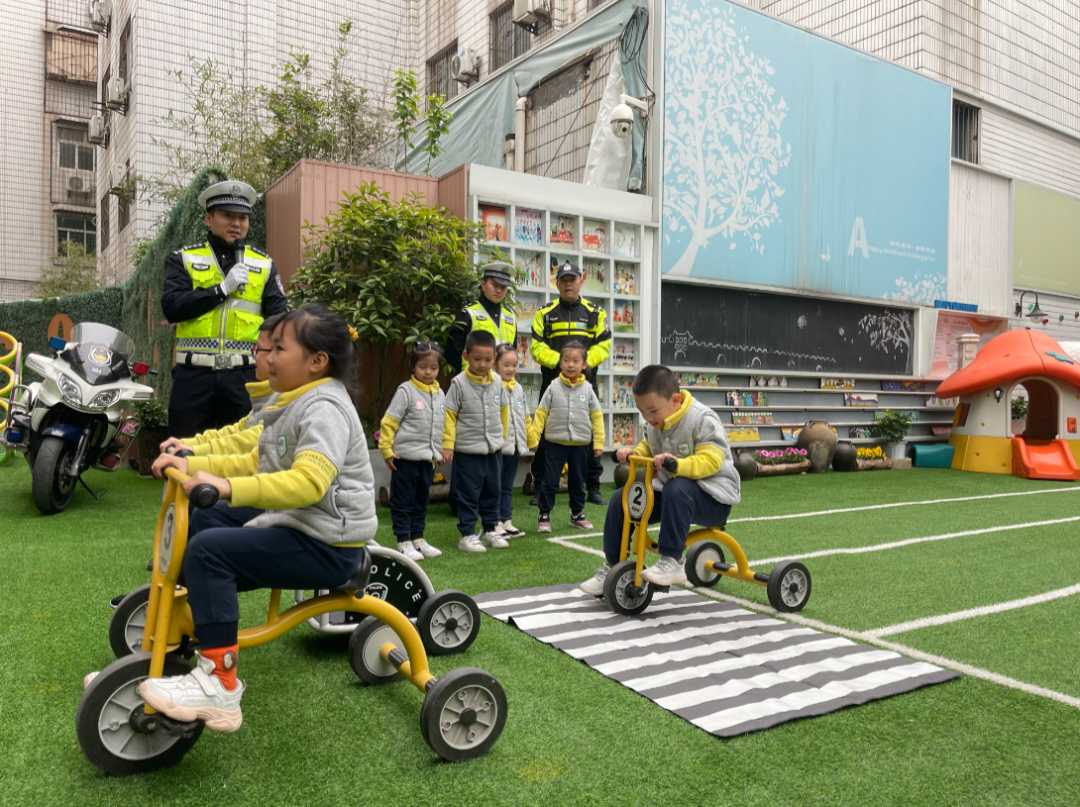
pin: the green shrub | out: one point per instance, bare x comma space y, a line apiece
28, 320
1019, 408
893, 425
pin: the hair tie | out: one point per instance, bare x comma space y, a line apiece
353, 334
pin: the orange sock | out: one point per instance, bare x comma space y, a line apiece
224, 659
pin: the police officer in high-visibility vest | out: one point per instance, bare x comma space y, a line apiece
217, 303
568, 319
486, 314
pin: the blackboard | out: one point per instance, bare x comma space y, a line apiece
711, 326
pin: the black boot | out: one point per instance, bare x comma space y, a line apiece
596, 497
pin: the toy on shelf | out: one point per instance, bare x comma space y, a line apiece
1049, 445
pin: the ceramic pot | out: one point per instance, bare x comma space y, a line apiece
150, 437
745, 465
785, 469
622, 476
845, 459
1018, 426
819, 440
896, 451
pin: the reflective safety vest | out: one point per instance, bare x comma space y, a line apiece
482, 321
232, 327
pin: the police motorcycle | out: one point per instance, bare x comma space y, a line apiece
74, 420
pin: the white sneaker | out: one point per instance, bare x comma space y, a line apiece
594, 586
426, 549
406, 548
471, 543
666, 572
510, 531
494, 540
89, 678
199, 695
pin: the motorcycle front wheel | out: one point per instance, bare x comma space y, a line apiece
53, 487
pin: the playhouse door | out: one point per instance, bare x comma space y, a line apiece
1042, 418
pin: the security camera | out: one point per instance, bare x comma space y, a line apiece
622, 116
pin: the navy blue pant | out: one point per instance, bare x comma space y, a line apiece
410, 490
224, 558
681, 504
509, 472
577, 458
479, 485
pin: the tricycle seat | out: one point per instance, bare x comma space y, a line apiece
360, 578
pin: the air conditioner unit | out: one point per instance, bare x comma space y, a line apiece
116, 93
100, 14
529, 12
75, 183
96, 133
464, 66
117, 177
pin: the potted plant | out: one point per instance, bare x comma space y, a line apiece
782, 461
1019, 415
153, 415
398, 272
872, 459
894, 426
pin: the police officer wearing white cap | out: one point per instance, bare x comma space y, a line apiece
218, 293
486, 314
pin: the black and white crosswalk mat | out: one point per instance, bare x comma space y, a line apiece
726, 670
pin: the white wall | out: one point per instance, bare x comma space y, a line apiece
979, 227
1055, 306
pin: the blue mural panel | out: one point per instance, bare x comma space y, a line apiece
796, 162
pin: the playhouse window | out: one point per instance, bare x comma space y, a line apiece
960, 419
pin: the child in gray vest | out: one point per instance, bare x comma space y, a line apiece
517, 438
410, 439
477, 422
570, 418
702, 489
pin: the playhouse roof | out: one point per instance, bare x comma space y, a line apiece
1012, 355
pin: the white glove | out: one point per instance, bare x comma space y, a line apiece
236, 278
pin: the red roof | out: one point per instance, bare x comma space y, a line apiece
1016, 354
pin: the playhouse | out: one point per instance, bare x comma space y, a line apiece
1049, 447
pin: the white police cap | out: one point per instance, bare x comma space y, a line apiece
233, 196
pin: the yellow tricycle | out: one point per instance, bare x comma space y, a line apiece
462, 715
625, 592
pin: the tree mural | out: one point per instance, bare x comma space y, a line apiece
722, 144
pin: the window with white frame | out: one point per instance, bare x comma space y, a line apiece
74, 151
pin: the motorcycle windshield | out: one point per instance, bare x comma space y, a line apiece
98, 353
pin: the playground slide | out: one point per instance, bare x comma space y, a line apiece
1044, 459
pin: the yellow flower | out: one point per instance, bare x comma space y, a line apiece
353, 334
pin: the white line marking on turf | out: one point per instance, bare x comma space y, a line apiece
859, 550
956, 616
869, 638
655, 527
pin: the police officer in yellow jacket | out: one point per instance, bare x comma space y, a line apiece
486, 314
568, 319
217, 303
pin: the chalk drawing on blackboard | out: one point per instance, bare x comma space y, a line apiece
681, 341
887, 329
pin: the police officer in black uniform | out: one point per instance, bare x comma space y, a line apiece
217, 303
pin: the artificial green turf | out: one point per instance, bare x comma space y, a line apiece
1036, 644
313, 735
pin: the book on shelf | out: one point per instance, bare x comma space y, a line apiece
941, 429
528, 227
942, 403
530, 385
698, 379
562, 229
768, 381
864, 399
594, 236
525, 359
743, 434
624, 317
530, 268
747, 398
903, 386
838, 383
625, 279
623, 430
752, 418
863, 432
625, 241
623, 355
494, 220
595, 273
622, 394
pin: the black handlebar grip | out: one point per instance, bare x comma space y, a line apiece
184, 453
671, 465
204, 496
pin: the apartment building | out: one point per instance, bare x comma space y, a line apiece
47, 166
